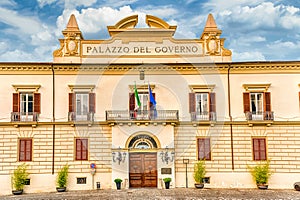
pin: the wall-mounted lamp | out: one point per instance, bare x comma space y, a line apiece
142, 75
118, 156
167, 156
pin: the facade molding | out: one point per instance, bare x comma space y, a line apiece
197, 68
262, 87
26, 88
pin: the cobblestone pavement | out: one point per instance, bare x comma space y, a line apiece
163, 194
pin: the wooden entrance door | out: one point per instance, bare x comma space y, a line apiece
143, 170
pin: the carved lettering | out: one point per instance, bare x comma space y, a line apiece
101, 49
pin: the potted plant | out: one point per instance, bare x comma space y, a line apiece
19, 178
118, 182
62, 179
261, 174
167, 182
199, 174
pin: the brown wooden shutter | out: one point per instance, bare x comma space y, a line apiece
16, 102
37, 102
78, 149
71, 102
267, 99
204, 149
246, 100
212, 102
81, 149
22, 150
207, 149
192, 103
28, 150
262, 149
84, 150
255, 149
259, 149
92, 102
25, 150
131, 101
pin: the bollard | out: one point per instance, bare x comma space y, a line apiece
98, 185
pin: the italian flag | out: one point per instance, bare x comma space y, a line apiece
136, 94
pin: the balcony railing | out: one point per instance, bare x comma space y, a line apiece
24, 116
203, 116
73, 116
142, 115
260, 116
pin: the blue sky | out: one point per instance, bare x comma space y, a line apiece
256, 30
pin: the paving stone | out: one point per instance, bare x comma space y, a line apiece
163, 194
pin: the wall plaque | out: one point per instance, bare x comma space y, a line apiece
166, 170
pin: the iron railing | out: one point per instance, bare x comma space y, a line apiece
204, 116
73, 116
24, 116
257, 116
125, 115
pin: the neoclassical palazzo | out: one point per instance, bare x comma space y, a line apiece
142, 106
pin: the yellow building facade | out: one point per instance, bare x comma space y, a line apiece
143, 106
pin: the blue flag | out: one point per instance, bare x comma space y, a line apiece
151, 97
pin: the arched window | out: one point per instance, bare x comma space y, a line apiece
142, 141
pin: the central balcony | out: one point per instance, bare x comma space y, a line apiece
142, 115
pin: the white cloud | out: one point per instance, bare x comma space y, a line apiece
93, 20
3, 46
68, 4
42, 3
248, 56
26, 24
16, 55
247, 40
7, 3
286, 46
117, 3
255, 14
290, 22
42, 37
159, 11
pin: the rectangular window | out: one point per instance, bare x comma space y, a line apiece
257, 106
25, 149
204, 149
202, 106
26, 106
26, 103
144, 101
81, 149
259, 149
82, 105
81, 180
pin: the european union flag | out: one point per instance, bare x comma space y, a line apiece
151, 97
